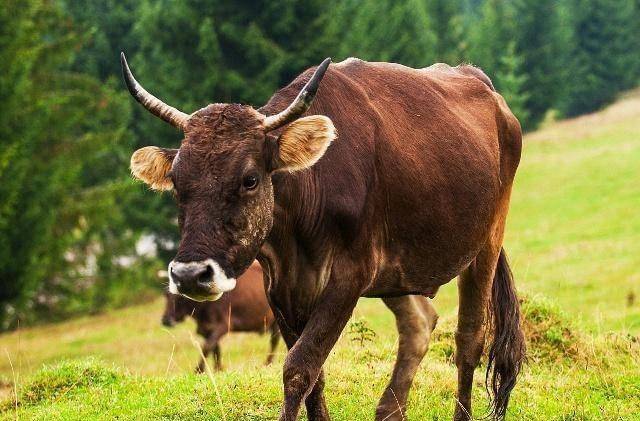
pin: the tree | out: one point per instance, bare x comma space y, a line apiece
490, 36
601, 63
203, 51
448, 25
61, 131
510, 81
634, 51
492, 47
541, 40
106, 28
383, 31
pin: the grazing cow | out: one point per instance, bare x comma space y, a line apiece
396, 181
245, 309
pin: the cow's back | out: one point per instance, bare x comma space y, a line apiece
424, 111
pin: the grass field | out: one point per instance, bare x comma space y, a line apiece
574, 241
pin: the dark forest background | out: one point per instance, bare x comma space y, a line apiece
77, 235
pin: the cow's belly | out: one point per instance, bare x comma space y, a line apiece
419, 271
435, 230
425, 266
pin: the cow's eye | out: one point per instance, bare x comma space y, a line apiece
250, 182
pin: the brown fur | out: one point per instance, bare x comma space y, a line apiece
245, 309
413, 193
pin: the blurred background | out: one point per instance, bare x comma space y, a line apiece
78, 236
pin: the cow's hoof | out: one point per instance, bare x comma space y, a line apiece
393, 413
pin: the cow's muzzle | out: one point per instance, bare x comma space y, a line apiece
200, 281
168, 321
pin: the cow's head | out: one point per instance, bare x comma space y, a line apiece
221, 176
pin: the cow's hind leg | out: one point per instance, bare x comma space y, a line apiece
273, 342
474, 287
487, 285
415, 320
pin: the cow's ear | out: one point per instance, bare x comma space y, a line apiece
304, 142
152, 165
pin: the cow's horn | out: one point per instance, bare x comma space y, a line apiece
154, 105
302, 101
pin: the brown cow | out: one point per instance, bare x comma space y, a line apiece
412, 193
245, 309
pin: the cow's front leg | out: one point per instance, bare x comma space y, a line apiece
315, 402
303, 365
209, 346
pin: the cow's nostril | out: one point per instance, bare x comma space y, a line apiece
206, 275
175, 277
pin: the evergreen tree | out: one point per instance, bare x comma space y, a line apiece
510, 81
202, 51
601, 65
634, 50
57, 128
448, 26
491, 35
541, 41
106, 26
492, 47
383, 31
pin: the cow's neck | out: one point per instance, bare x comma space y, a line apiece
297, 253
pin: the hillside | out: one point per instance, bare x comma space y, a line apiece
573, 237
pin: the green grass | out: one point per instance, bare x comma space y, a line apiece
573, 237
574, 227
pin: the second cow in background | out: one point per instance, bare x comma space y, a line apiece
245, 309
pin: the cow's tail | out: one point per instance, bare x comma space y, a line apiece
507, 350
